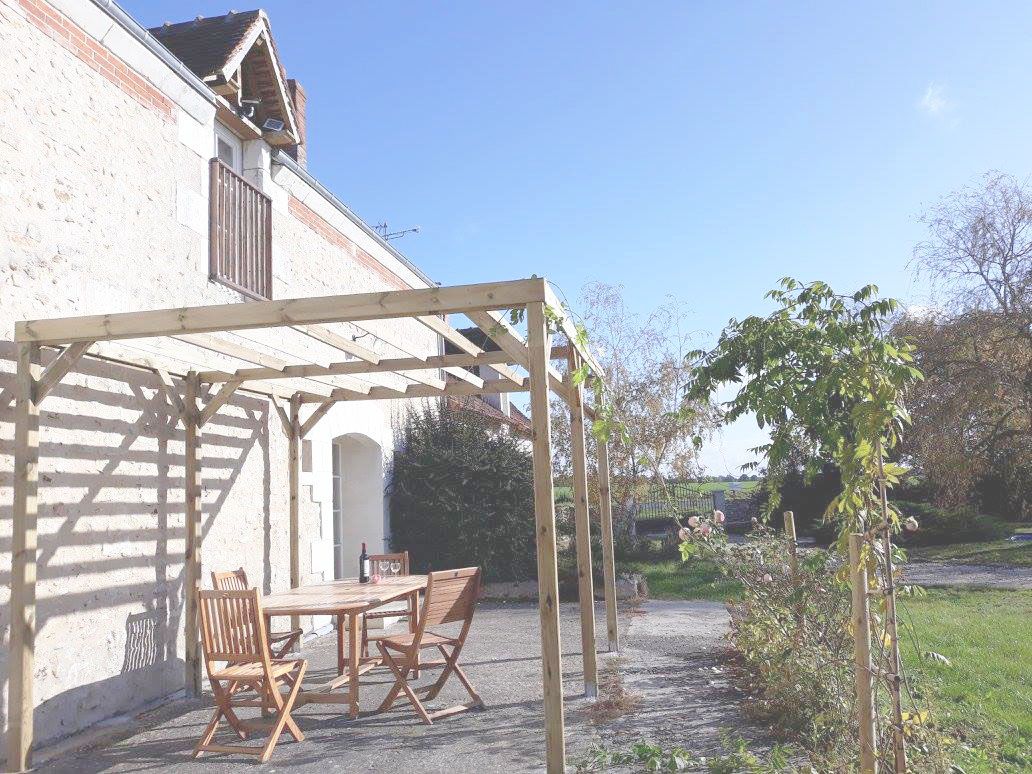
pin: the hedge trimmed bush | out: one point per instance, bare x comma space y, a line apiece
462, 494
942, 526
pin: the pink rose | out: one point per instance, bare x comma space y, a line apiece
683, 534
705, 529
718, 517
693, 521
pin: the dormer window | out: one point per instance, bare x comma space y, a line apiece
236, 57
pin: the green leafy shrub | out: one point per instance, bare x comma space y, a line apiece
792, 644
941, 526
462, 494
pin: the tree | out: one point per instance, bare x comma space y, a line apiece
646, 375
973, 414
825, 376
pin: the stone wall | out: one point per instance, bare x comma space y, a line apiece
103, 207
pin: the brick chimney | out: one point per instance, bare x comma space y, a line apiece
300, 99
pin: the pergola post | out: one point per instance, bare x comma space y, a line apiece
294, 487
194, 509
585, 582
20, 703
608, 560
544, 516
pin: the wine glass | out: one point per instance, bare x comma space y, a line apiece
395, 567
384, 566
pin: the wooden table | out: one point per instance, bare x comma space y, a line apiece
344, 599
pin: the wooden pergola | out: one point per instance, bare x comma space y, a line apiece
302, 394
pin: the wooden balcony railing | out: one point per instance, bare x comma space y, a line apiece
240, 233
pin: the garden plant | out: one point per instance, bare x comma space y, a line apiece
826, 377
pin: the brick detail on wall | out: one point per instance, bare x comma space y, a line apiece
70, 36
323, 228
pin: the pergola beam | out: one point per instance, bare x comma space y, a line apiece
544, 517
116, 352
335, 340
359, 367
21, 664
270, 314
423, 391
498, 329
59, 367
582, 525
608, 558
217, 401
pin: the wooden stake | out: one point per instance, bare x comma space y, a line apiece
194, 515
544, 515
899, 747
21, 667
862, 657
585, 582
294, 487
793, 557
608, 558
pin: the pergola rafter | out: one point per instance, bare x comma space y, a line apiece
203, 390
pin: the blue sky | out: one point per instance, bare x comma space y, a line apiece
696, 149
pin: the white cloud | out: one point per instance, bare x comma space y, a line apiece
934, 101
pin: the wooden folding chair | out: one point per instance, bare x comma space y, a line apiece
393, 610
237, 657
236, 580
451, 596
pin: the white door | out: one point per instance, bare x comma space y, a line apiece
338, 513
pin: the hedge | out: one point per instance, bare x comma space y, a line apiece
462, 494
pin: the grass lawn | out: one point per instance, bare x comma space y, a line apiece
984, 697
1003, 552
674, 579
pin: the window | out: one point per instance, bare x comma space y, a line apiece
228, 148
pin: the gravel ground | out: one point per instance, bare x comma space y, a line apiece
974, 575
668, 661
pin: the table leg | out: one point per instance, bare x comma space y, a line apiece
340, 644
354, 657
413, 625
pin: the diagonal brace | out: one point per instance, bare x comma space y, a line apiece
218, 401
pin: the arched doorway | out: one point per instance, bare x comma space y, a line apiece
358, 509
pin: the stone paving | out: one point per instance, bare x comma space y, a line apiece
668, 662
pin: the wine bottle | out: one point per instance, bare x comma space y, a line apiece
363, 566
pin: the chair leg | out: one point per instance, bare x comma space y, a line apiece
287, 646
399, 678
283, 717
400, 685
223, 708
452, 665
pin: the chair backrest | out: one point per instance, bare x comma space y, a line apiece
233, 580
451, 596
232, 626
401, 557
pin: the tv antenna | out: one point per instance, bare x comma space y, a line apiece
384, 231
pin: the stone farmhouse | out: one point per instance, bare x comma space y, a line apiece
163, 168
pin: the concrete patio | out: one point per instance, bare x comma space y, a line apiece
668, 662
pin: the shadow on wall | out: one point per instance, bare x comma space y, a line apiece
111, 536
